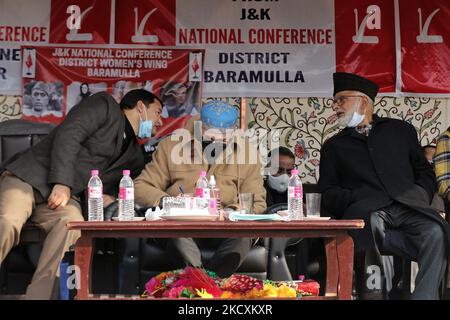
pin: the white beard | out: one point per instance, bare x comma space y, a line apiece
344, 120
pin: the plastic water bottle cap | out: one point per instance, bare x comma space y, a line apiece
202, 173
294, 172
126, 172
94, 172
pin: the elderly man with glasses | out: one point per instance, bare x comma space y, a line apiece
374, 169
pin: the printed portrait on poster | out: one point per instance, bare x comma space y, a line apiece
42, 99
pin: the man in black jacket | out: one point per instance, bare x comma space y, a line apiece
45, 182
375, 170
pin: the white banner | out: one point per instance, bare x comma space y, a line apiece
21, 22
261, 48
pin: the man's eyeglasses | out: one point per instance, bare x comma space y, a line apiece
340, 100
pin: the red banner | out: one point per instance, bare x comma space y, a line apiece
57, 78
286, 48
365, 40
425, 45
81, 21
145, 22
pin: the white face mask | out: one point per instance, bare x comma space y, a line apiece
344, 120
352, 120
279, 183
356, 119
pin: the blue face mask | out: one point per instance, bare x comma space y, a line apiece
145, 127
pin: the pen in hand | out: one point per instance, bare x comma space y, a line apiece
181, 189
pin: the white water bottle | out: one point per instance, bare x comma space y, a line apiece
126, 197
295, 197
214, 200
95, 197
201, 187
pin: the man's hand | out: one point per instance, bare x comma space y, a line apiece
59, 197
107, 200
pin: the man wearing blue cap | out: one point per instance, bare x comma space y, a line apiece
213, 151
374, 169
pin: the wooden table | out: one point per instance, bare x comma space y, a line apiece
338, 244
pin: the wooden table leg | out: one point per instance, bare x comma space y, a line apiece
83, 259
345, 265
331, 288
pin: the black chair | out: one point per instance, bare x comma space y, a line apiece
278, 267
401, 277
290, 258
17, 269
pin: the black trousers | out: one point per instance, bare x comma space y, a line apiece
227, 258
403, 231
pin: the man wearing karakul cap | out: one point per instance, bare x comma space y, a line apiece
165, 175
374, 169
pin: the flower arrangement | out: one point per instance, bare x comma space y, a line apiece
193, 282
184, 283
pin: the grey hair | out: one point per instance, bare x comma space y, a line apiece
372, 102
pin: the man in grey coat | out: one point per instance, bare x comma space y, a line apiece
45, 182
